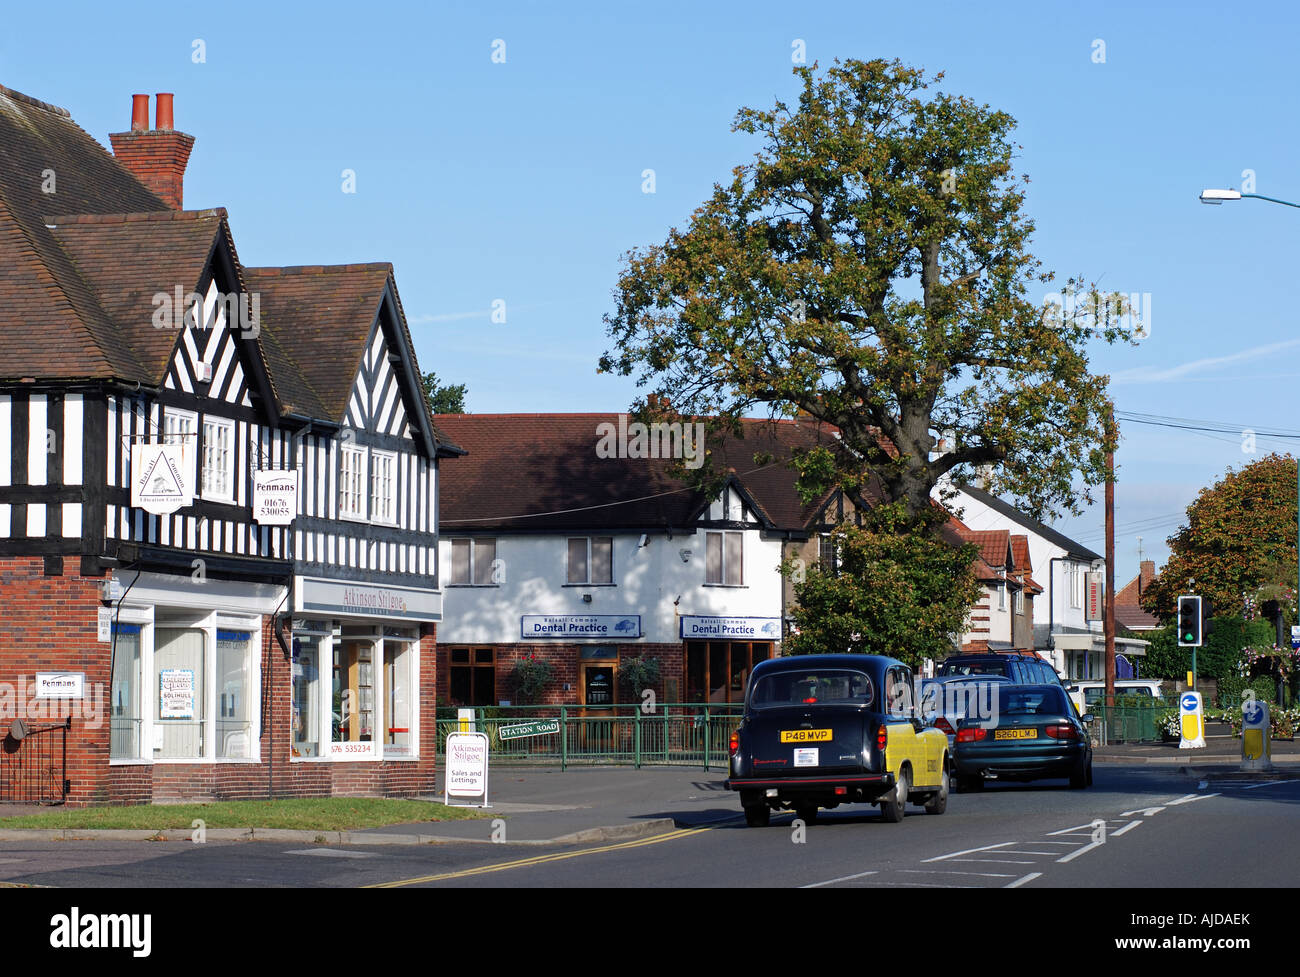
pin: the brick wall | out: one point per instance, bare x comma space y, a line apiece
49, 624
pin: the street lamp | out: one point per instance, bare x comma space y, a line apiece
1216, 198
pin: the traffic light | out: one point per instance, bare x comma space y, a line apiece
1189, 622
1207, 619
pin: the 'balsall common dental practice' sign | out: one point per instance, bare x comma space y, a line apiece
571, 626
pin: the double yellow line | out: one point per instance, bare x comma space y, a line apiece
540, 859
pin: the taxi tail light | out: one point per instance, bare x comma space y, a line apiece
971, 734
735, 741
1062, 732
841, 791
882, 737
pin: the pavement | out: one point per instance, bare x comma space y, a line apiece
546, 806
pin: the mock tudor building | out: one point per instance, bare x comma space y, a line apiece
218, 489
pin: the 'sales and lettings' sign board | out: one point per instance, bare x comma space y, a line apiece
1096, 606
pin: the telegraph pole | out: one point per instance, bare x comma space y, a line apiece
1109, 625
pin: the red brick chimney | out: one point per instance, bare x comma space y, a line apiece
157, 157
1146, 574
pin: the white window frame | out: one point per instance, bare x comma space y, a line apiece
359, 513
226, 492
1002, 595
187, 438
722, 561
209, 623
383, 508
1018, 602
1077, 580
588, 582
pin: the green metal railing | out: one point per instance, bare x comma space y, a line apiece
688, 734
1130, 720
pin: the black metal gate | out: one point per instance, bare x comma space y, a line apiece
34, 764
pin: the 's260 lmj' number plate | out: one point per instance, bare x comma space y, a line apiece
805, 735
1015, 734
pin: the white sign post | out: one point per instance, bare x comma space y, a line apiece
466, 770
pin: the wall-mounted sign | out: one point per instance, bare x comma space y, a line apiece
275, 497
176, 693
159, 478
60, 685
732, 628
570, 627
1095, 608
366, 600
104, 625
466, 768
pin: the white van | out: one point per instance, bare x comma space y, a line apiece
1086, 694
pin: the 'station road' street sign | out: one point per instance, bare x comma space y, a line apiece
538, 727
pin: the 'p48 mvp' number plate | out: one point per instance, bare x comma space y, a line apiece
805, 735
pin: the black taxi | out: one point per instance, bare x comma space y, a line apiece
819, 731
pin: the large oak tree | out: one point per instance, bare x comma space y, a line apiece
870, 268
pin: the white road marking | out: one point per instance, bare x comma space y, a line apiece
1188, 798
1268, 784
929, 885
1079, 851
1078, 828
1128, 827
949, 871
967, 851
1011, 852
1072, 844
1023, 879
1000, 861
1146, 812
333, 853
846, 878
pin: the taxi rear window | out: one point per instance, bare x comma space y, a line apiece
813, 687
973, 668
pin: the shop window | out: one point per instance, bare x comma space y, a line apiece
234, 665
352, 482
472, 562
125, 717
218, 460
306, 694
725, 559
472, 677
179, 671
399, 692
591, 560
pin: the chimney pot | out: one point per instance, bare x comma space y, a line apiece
139, 113
165, 121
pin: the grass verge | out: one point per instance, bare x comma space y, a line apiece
301, 813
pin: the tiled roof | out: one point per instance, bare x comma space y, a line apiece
65, 333
992, 545
1134, 618
321, 316
542, 472
1076, 550
126, 259
80, 266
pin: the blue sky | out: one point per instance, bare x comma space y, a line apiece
522, 180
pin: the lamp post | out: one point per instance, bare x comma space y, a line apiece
1216, 198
